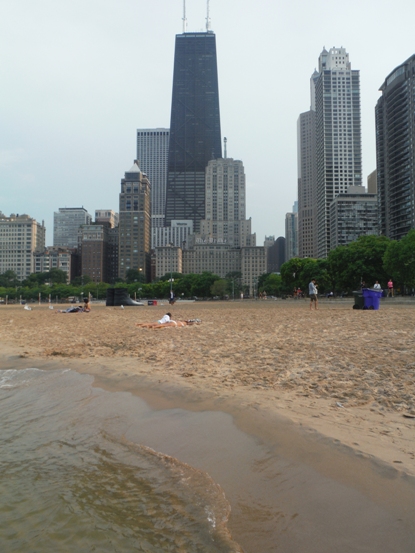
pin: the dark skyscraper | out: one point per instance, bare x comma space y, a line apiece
194, 126
395, 139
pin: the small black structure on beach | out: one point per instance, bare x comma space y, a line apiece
119, 296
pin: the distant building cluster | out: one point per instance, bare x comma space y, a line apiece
182, 204
334, 208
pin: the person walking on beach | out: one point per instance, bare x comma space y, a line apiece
390, 288
312, 292
377, 286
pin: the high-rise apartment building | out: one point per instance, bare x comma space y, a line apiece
152, 156
20, 237
352, 215
66, 223
338, 135
307, 184
194, 126
395, 154
134, 223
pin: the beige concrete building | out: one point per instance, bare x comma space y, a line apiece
135, 222
225, 205
56, 258
169, 259
20, 237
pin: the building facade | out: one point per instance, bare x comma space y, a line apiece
20, 238
291, 233
338, 135
307, 184
107, 216
152, 156
395, 153
194, 126
56, 258
352, 215
66, 223
94, 240
276, 255
225, 206
134, 223
177, 234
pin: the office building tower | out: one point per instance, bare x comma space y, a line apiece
395, 154
20, 237
372, 183
194, 126
276, 255
94, 249
152, 156
352, 214
106, 216
291, 234
338, 135
225, 205
66, 223
134, 223
307, 184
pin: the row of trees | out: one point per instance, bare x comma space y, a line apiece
368, 259
47, 285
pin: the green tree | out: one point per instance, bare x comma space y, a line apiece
399, 260
134, 275
219, 288
271, 284
359, 261
56, 276
81, 280
9, 279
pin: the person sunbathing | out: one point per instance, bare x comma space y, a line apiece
86, 308
167, 321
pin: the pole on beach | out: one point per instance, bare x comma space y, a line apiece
39, 297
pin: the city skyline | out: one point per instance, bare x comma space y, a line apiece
82, 78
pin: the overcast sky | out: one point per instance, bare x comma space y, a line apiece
78, 77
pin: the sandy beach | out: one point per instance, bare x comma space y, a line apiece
345, 377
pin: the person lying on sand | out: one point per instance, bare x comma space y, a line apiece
167, 321
86, 308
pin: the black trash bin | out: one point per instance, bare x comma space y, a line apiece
359, 301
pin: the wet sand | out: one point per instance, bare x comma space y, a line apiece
326, 395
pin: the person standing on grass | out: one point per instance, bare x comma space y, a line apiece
312, 292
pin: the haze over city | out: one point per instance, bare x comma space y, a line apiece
79, 79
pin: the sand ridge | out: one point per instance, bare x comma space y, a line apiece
347, 374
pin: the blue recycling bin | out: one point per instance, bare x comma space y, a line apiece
371, 298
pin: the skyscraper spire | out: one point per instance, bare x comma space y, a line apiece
207, 17
184, 17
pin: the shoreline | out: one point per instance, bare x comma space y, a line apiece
339, 457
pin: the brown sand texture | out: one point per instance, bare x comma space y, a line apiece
347, 374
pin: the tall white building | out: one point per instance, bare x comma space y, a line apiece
20, 237
66, 223
338, 134
307, 184
152, 155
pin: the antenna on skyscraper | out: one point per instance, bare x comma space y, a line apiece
207, 17
225, 140
184, 17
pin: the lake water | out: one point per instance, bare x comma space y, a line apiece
71, 481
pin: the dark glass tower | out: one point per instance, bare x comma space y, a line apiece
395, 151
194, 126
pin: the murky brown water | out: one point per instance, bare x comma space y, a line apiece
84, 469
